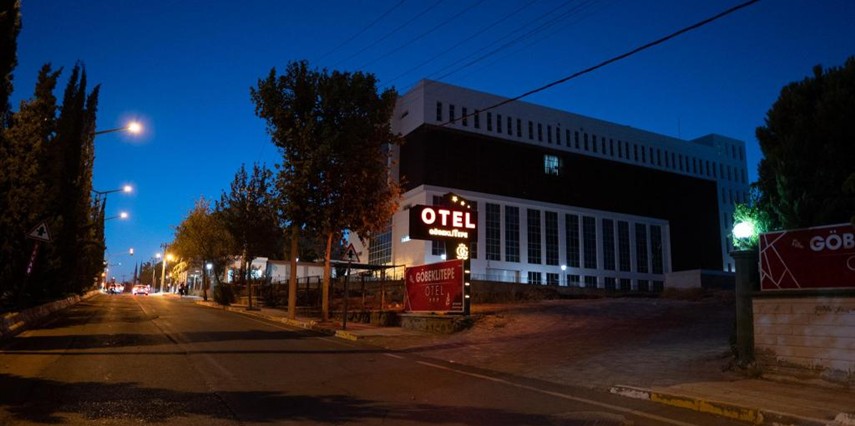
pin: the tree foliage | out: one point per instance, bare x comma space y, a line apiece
202, 237
249, 213
807, 177
333, 130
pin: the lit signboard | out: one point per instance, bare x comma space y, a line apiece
442, 223
812, 258
437, 287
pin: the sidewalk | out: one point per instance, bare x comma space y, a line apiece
751, 400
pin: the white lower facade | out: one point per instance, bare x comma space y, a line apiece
533, 242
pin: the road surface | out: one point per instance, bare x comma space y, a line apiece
126, 359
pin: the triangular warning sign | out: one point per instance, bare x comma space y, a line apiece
351, 254
40, 233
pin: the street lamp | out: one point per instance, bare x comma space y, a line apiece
170, 258
121, 215
133, 127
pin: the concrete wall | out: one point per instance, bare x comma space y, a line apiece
810, 336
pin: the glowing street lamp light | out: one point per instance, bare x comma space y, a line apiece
121, 215
133, 127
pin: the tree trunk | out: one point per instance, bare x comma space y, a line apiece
325, 289
292, 281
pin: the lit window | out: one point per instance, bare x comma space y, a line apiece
551, 165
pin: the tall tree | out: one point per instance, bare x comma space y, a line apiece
249, 213
355, 190
202, 237
23, 188
288, 103
10, 26
808, 142
334, 132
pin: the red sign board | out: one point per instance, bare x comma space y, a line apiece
812, 258
437, 287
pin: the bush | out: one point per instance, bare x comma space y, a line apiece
224, 294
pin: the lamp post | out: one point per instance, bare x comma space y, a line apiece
121, 215
154, 262
746, 258
163, 272
133, 127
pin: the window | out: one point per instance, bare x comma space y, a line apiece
464, 116
619, 149
548, 133
623, 246
533, 222
590, 282
574, 280
589, 241
451, 117
477, 119
534, 277
635, 152
625, 284
656, 248
510, 126
567, 137
550, 227
610, 283
519, 128
611, 147
489, 122
499, 123
512, 234
531, 130
586, 141
608, 239
380, 247
551, 165
571, 234
643, 156
594, 143
493, 236
640, 247
539, 132
558, 135
576, 137
551, 279
439, 111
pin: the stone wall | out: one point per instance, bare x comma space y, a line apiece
806, 336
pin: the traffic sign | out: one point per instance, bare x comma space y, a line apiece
351, 254
40, 233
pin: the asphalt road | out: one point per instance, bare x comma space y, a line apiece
126, 359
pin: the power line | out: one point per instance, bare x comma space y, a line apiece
390, 33
424, 34
460, 43
612, 60
366, 28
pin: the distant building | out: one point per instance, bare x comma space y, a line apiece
562, 198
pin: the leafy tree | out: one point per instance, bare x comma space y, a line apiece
808, 142
288, 103
202, 237
333, 130
354, 187
249, 213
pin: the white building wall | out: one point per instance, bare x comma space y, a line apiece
416, 252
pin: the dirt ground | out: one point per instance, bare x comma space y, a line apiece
593, 343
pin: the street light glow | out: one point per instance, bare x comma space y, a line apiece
135, 127
123, 215
127, 188
744, 230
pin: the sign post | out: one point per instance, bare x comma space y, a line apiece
454, 222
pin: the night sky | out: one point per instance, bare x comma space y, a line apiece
184, 68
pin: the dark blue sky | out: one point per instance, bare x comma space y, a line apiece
185, 68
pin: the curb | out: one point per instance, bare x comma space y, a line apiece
738, 412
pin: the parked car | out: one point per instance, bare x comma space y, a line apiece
140, 289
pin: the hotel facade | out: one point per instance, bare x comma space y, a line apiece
560, 198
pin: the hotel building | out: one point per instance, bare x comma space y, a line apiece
561, 198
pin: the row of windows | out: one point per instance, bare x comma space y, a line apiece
581, 242
600, 145
733, 197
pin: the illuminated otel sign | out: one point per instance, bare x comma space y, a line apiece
442, 223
